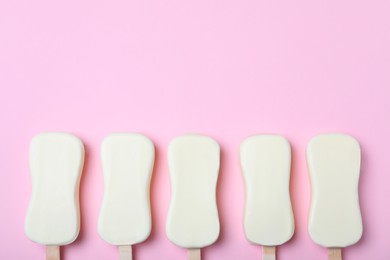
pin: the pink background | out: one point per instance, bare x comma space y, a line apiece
225, 68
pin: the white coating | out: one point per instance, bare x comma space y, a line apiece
334, 166
127, 161
265, 164
56, 161
192, 220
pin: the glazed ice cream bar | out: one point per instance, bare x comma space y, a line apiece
125, 218
334, 165
268, 216
53, 218
192, 220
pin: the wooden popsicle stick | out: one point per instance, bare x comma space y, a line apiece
52, 253
193, 254
125, 252
334, 253
269, 252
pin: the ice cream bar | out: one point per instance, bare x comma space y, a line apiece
192, 220
334, 165
268, 217
53, 218
125, 218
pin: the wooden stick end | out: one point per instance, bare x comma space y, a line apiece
193, 254
52, 252
334, 253
269, 252
125, 252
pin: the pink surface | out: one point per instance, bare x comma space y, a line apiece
228, 69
